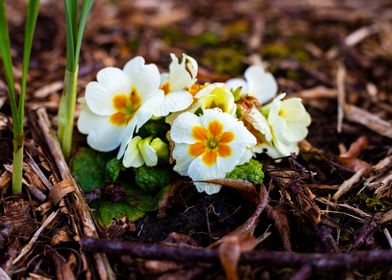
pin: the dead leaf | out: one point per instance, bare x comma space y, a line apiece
279, 217
350, 158
237, 184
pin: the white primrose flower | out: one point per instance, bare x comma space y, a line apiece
175, 85
209, 146
288, 121
145, 151
216, 95
257, 83
118, 103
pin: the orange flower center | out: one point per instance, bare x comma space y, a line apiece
166, 88
211, 142
126, 107
195, 88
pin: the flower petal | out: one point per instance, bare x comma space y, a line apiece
146, 111
199, 171
132, 156
144, 77
182, 157
181, 130
216, 114
261, 84
99, 95
148, 153
235, 83
173, 102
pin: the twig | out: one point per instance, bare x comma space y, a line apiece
4, 275
371, 121
340, 77
26, 249
276, 259
303, 273
349, 184
85, 225
388, 236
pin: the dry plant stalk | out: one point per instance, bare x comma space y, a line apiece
84, 224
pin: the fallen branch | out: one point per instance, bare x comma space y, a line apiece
275, 259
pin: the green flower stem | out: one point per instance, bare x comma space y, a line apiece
17, 164
67, 112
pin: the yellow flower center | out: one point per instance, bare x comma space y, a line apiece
125, 106
166, 88
211, 142
195, 88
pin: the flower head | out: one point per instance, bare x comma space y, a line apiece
118, 103
288, 121
257, 83
145, 151
216, 95
209, 146
175, 85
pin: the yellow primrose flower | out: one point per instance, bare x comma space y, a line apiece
118, 103
257, 83
216, 95
288, 121
175, 85
209, 146
145, 151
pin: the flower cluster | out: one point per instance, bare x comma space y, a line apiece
212, 127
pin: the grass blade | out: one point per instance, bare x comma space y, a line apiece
5, 52
31, 20
86, 8
70, 29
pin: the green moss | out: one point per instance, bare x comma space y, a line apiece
225, 60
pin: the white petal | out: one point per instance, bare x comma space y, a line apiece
235, 83
144, 77
127, 134
181, 130
179, 78
151, 105
208, 89
294, 111
89, 121
148, 153
259, 122
295, 132
227, 164
198, 171
164, 78
243, 135
114, 80
132, 156
246, 156
173, 102
99, 95
191, 65
261, 84
182, 157
105, 138
216, 114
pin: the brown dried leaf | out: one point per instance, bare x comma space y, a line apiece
279, 217
230, 252
236, 184
350, 158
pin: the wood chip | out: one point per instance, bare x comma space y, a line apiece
340, 78
371, 121
59, 191
349, 184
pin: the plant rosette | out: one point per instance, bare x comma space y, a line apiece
213, 131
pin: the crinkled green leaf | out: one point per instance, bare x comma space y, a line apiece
149, 179
251, 171
107, 211
112, 170
88, 167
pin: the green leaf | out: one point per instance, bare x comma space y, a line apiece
86, 7
107, 211
88, 167
112, 170
70, 28
151, 178
5, 52
31, 20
